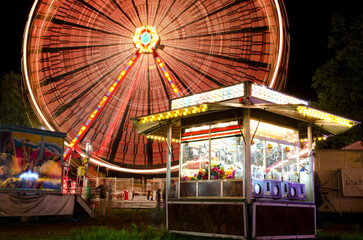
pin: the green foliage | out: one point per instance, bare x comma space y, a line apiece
333, 236
14, 109
136, 233
339, 83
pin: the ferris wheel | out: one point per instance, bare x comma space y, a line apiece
92, 65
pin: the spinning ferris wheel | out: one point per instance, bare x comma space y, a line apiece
92, 65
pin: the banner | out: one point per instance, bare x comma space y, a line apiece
352, 179
13, 204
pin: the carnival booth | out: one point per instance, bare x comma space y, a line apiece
31, 173
243, 171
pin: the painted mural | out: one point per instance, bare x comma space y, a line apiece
30, 162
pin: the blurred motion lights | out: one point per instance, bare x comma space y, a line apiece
73, 52
29, 176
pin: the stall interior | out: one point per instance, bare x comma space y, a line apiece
275, 162
212, 161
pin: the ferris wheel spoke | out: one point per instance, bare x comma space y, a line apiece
81, 47
166, 74
120, 115
155, 14
94, 9
137, 12
253, 30
77, 96
217, 11
224, 57
179, 78
106, 98
61, 77
80, 26
185, 9
123, 12
209, 77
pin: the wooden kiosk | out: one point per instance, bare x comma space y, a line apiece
244, 169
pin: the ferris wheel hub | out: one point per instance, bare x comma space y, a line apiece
146, 39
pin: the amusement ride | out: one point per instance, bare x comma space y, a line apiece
86, 78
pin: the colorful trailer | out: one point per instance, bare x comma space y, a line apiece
31, 173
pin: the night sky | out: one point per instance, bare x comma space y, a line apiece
309, 24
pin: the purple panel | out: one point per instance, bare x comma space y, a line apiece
285, 190
281, 221
293, 190
257, 188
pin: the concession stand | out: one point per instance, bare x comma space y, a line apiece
245, 162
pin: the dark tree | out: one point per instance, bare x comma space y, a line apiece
14, 108
338, 82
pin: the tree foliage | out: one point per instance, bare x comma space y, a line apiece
338, 82
14, 109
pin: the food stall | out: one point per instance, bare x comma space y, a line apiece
242, 169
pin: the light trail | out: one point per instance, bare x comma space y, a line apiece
105, 99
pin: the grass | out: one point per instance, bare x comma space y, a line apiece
140, 232
120, 224
335, 236
136, 233
106, 233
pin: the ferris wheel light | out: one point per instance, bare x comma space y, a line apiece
145, 39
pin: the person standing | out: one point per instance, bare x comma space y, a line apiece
158, 198
109, 190
88, 194
148, 189
164, 199
103, 196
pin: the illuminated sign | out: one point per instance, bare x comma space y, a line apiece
314, 113
173, 114
218, 95
271, 131
159, 138
272, 96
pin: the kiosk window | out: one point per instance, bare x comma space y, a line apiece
227, 158
274, 153
195, 160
